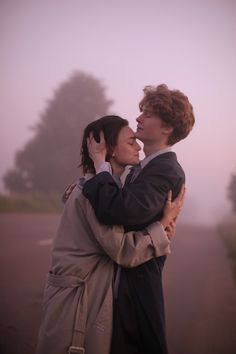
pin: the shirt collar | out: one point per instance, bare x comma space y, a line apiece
147, 159
81, 180
117, 180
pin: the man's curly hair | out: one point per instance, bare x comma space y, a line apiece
172, 107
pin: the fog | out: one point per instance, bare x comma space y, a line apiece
189, 45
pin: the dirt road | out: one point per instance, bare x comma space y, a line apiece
200, 294
199, 290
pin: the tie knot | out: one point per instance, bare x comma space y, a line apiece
134, 172
135, 168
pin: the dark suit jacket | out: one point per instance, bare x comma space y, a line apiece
135, 206
141, 202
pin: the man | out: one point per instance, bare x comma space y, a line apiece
166, 118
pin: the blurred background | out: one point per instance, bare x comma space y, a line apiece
108, 51
66, 63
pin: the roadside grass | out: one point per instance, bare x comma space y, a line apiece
33, 203
227, 232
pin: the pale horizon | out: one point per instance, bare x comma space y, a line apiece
188, 45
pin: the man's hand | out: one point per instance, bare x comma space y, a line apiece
170, 229
97, 150
172, 209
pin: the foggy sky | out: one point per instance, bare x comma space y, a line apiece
189, 45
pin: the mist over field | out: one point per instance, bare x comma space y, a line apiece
189, 45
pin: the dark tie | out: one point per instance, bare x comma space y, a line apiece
134, 172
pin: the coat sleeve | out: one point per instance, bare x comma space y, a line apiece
128, 249
137, 204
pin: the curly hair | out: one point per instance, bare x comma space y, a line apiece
172, 107
111, 127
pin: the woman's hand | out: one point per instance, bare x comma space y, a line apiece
68, 192
172, 209
97, 150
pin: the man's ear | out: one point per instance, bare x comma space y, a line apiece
167, 130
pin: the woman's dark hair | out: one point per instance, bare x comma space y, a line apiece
111, 126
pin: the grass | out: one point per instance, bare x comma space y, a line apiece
33, 203
228, 235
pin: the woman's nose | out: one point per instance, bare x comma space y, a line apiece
138, 147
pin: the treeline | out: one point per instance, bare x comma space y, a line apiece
50, 160
31, 203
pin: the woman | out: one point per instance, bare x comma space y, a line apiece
77, 305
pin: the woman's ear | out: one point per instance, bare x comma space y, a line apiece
111, 152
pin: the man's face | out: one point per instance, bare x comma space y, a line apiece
150, 128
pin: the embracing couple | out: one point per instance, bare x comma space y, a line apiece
103, 293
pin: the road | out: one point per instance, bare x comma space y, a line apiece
199, 290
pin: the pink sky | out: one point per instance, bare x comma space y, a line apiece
189, 45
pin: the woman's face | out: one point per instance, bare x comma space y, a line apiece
127, 149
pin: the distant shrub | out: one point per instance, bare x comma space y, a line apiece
228, 234
34, 203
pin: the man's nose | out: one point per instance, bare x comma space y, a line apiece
138, 119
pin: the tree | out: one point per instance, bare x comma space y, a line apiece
232, 192
49, 161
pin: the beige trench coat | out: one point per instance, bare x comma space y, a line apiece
78, 297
